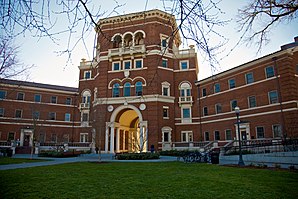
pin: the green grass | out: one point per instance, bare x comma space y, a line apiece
146, 180
7, 160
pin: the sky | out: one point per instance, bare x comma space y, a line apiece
52, 68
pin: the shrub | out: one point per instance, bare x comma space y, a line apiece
59, 154
138, 156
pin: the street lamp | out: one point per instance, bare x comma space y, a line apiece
237, 111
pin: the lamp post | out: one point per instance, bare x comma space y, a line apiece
240, 162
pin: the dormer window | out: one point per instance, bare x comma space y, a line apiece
87, 74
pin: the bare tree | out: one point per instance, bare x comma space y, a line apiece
258, 17
10, 66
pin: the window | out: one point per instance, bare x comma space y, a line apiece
139, 89
185, 92
1, 112
126, 89
36, 115
67, 117
228, 134
232, 83
87, 74
37, 98
68, 101
249, 78
85, 117
216, 135
233, 104
252, 102
20, 96
207, 138
42, 137
2, 94
186, 112
183, 65
260, 132
54, 138
164, 43
186, 136
273, 97
116, 66
164, 63
166, 136
218, 108
165, 91
10, 136
205, 111
216, 88
165, 113
276, 131
138, 63
83, 137
52, 116
86, 97
204, 92
269, 71
127, 65
65, 138
54, 100
18, 113
116, 91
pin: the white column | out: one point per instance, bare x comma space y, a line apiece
112, 139
117, 140
141, 138
107, 139
123, 148
22, 138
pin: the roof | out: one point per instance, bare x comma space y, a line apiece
38, 85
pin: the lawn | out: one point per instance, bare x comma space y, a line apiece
147, 180
7, 160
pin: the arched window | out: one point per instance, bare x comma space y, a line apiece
86, 95
185, 89
117, 41
139, 89
116, 91
128, 40
139, 38
126, 89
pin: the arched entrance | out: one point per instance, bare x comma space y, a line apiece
126, 131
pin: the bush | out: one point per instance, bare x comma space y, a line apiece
59, 154
138, 156
176, 153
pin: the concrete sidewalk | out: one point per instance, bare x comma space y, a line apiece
82, 158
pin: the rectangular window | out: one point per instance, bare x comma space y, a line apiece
183, 65
87, 74
232, 83
52, 116
166, 137
205, 111
85, 117
1, 113
37, 98
249, 78
233, 104
228, 134
35, 115
218, 108
65, 138
165, 112
67, 117
138, 63
216, 88
273, 97
186, 136
164, 43
53, 99
20, 96
2, 94
204, 92
84, 137
252, 102
10, 136
276, 131
260, 132
42, 137
54, 138
165, 91
186, 112
207, 137
216, 135
68, 101
164, 63
116, 66
127, 65
269, 71
18, 113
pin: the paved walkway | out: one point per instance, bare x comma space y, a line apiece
83, 158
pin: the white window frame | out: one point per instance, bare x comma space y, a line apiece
167, 86
273, 130
248, 101
67, 117
215, 136
226, 134
168, 113
56, 101
216, 111
203, 92
230, 84
21, 93
205, 108
85, 72
3, 112
182, 61
166, 130
21, 111
166, 61
269, 99
84, 136
253, 79
205, 136
37, 95
231, 102
116, 62
188, 136
127, 61
215, 87
186, 120
135, 63
257, 132
54, 116
266, 74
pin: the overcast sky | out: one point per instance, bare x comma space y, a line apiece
51, 68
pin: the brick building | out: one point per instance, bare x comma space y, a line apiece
140, 92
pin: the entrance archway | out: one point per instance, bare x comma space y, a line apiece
126, 131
